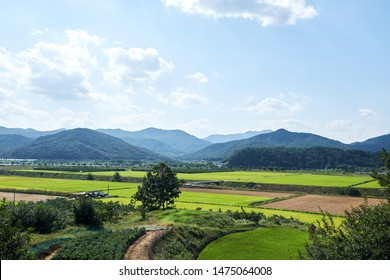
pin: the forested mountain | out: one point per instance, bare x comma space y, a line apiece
279, 138
220, 138
82, 144
10, 142
373, 144
173, 142
303, 158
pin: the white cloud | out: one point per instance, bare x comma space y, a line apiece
266, 12
339, 125
294, 125
199, 77
367, 113
275, 106
181, 99
18, 113
136, 64
71, 119
55, 70
198, 127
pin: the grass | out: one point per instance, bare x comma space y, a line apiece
219, 199
259, 244
261, 177
302, 216
61, 185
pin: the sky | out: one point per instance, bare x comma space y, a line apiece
203, 66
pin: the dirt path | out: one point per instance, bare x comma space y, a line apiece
26, 197
141, 249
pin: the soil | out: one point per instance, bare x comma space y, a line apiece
335, 205
238, 192
26, 197
141, 249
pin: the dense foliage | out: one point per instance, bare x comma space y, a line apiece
106, 245
184, 242
13, 239
302, 158
159, 188
363, 235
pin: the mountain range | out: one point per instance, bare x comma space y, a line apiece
158, 144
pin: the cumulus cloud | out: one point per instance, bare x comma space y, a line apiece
198, 127
367, 113
275, 106
56, 70
198, 77
266, 12
181, 99
136, 64
339, 125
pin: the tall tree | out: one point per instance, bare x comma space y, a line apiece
383, 177
159, 188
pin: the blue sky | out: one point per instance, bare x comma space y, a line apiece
226, 66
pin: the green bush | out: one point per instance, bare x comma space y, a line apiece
85, 213
105, 245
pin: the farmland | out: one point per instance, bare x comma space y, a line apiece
259, 244
260, 177
205, 208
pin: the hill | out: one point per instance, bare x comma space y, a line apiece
279, 138
9, 142
220, 138
303, 158
168, 142
82, 144
373, 144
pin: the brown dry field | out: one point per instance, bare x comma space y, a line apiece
26, 197
238, 192
335, 205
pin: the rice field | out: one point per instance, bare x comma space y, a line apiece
259, 244
124, 191
261, 177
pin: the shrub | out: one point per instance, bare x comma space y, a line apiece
86, 214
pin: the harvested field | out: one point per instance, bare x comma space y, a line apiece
335, 205
238, 192
26, 197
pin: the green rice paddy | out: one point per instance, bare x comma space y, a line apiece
259, 244
262, 177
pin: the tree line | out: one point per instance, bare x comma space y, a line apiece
303, 158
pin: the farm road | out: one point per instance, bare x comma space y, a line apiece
26, 197
141, 249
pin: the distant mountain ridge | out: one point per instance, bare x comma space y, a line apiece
279, 138
153, 143
168, 142
82, 144
27, 132
373, 144
223, 138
